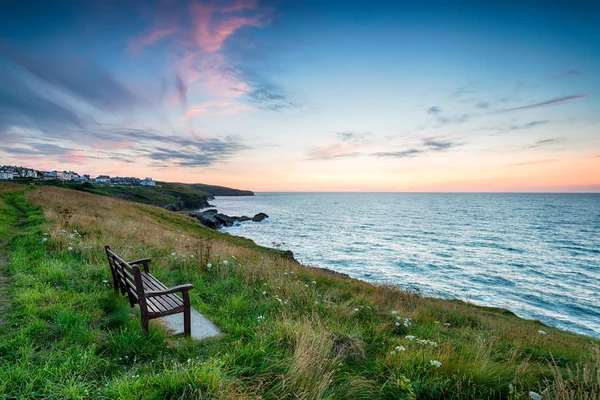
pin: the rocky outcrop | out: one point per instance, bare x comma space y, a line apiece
259, 217
189, 204
216, 220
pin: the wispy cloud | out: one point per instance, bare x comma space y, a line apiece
528, 125
433, 110
215, 108
138, 44
429, 145
544, 161
545, 142
181, 89
353, 136
334, 150
570, 72
557, 100
78, 77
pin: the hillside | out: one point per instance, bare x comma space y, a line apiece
172, 195
291, 332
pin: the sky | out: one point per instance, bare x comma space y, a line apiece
307, 95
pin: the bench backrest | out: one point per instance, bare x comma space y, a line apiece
126, 277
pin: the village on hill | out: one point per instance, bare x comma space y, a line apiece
9, 172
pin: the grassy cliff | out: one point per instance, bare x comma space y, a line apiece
290, 331
176, 196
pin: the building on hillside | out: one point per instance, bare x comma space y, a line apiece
126, 181
105, 179
6, 175
147, 182
49, 175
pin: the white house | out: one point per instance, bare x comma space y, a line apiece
6, 175
103, 179
147, 182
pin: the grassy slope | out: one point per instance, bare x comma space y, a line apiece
69, 336
187, 195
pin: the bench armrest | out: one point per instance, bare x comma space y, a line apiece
140, 261
175, 289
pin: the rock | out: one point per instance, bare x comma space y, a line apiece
243, 218
259, 217
171, 207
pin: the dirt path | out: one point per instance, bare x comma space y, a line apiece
3, 279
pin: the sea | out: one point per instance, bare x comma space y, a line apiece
537, 255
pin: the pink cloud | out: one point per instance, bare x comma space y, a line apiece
137, 45
215, 108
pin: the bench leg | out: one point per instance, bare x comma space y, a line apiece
187, 320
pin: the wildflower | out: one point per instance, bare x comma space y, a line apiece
191, 256
436, 322
447, 323
305, 285
104, 281
209, 265
234, 257
45, 234
542, 333
410, 337
394, 312
225, 262
534, 396
397, 323
406, 322
316, 302
435, 363
69, 248
173, 253
44, 239
264, 293
356, 310
314, 282
260, 318
399, 348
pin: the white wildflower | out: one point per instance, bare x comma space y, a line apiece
397, 323
435, 363
69, 248
305, 285
316, 302
314, 282
209, 265
174, 253
399, 348
356, 310
191, 255
104, 281
394, 312
410, 337
260, 318
264, 293
534, 396
542, 333
44, 239
225, 262
436, 322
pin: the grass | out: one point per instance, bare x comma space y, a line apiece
290, 331
183, 195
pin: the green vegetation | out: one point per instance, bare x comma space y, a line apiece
180, 195
290, 331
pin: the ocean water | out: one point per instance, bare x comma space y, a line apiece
537, 255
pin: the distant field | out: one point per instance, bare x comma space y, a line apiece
291, 332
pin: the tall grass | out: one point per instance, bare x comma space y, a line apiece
290, 331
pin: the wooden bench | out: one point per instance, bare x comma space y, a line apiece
155, 299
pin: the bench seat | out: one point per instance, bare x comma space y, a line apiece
154, 298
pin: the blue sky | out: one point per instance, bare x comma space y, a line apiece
296, 95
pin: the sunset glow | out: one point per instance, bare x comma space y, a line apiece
307, 96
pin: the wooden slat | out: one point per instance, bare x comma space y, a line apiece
153, 284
